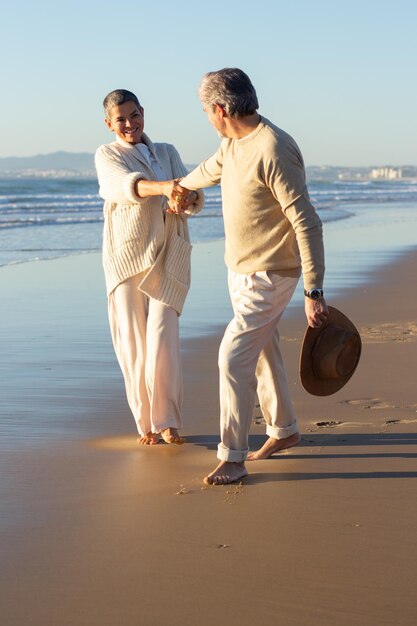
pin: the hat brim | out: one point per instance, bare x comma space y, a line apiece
310, 381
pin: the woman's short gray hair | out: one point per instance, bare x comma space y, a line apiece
117, 97
230, 88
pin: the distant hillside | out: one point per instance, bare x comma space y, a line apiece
53, 165
78, 161
81, 164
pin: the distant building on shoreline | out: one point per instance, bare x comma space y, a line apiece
383, 172
389, 173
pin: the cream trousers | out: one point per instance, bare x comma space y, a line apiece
250, 362
145, 336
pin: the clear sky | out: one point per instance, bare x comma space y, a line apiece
340, 76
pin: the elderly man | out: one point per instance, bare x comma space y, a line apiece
272, 233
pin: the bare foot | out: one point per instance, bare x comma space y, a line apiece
150, 439
226, 472
170, 435
272, 445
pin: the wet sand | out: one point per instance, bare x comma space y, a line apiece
98, 531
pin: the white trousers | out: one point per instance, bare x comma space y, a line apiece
250, 361
145, 336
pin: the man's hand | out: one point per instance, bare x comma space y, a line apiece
316, 311
178, 198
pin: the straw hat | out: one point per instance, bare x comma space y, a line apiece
329, 354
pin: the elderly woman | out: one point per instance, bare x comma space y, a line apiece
146, 259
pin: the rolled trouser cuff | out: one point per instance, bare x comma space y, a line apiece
233, 456
282, 432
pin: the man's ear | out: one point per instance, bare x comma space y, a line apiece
108, 123
219, 110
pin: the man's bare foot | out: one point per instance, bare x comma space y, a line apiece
170, 435
226, 472
272, 445
150, 439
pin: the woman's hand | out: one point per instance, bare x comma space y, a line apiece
178, 197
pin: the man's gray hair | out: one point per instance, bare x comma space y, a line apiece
117, 97
230, 88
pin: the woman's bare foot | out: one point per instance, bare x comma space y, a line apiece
272, 445
226, 472
150, 439
170, 435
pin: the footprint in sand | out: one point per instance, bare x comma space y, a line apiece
353, 402
328, 424
385, 333
369, 403
396, 421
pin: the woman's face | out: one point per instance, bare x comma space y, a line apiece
127, 121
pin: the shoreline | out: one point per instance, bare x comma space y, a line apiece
45, 291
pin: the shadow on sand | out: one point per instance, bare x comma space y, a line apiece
326, 440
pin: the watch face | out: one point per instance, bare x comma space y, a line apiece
315, 294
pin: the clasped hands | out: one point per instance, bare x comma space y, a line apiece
179, 198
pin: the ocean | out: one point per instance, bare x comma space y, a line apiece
44, 218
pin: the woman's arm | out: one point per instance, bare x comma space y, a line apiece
119, 184
116, 180
145, 188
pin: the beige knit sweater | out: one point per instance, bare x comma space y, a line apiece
138, 235
270, 223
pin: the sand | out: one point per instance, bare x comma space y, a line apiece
98, 531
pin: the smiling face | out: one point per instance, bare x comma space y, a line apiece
127, 121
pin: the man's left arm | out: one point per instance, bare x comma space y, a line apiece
309, 234
285, 176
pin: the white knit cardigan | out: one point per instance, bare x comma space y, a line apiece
139, 236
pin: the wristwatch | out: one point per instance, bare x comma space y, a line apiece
314, 294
